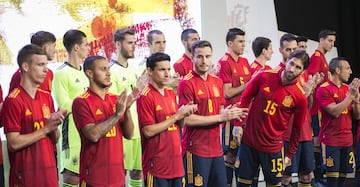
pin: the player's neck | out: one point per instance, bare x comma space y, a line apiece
158, 87
122, 60
101, 92
203, 75
336, 81
261, 60
188, 53
29, 86
234, 55
75, 61
321, 49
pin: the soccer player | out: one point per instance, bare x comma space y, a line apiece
204, 163
31, 125
301, 42
275, 96
102, 120
156, 43
45, 40
184, 65
69, 82
235, 73
124, 77
263, 50
1, 154
288, 45
338, 103
160, 122
318, 64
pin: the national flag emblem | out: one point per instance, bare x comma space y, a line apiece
98, 112
246, 70
287, 101
28, 112
216, 91
46, 111
158, 108
200, 92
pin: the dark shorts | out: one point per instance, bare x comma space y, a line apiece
152, 181
227, 139
315, 124
339, 160
303, 161
358, 156
200, 171
251, 159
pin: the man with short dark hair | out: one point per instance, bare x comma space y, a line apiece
31, 124
102, 120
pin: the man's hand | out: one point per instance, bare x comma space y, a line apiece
233, 112
121, 102
134, 95
55, 120
186, 110
287, 162
237, 133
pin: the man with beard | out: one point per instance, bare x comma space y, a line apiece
204, 162
47, 42
184, 65
102, 120
338, 104
124, 77
276, 95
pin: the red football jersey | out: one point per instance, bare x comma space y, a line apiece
46, 85
334, 131
306, 132
101, 163
236, 73
209, 96
162, 152
256, 66
33, 165
184, 65
272, 106
1, 100
317, 64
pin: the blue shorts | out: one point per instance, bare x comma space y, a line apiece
200, 171
303, 161
227, 139
315, 125
251, 159
339, 160
152, 181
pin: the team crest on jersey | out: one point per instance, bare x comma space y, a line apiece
287, 101
200, 92
267, 89
28, 112
216, 91
329, 162
98, 112
246, 70
46, 111
198, 180
158, 108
